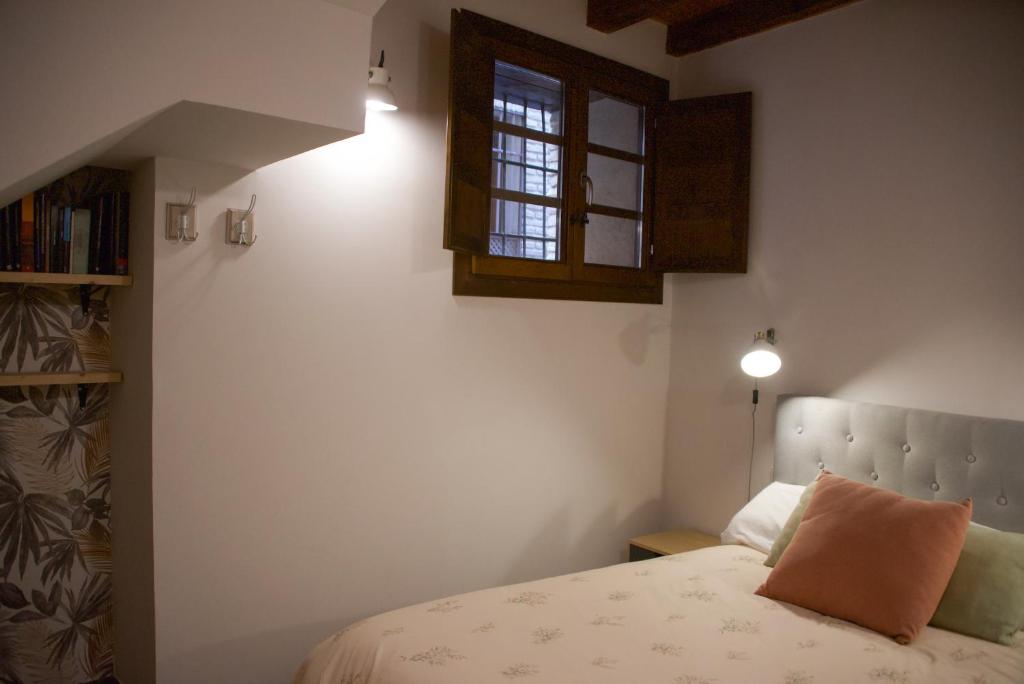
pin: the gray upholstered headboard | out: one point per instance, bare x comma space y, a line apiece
923, 454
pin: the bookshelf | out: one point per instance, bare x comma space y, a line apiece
83, 281
87, 378
65, 279
78, 222
83, 380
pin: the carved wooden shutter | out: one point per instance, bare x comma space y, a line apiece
470, 93
702, 185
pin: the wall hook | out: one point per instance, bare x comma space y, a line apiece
242, 230
83, 395
181, 220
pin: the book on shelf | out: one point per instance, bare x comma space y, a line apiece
5, 248
103, 257
38, 241
120, 251
63, 241
12, 237
100, 227
54, 231
47, 232
26, 238
16, 236
79, 247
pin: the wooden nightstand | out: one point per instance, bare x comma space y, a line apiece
667, 543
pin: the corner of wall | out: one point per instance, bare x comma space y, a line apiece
131, 446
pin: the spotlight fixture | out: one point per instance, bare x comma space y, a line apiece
761, 360
379, 97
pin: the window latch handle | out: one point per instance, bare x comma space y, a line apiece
588, 186
588, 196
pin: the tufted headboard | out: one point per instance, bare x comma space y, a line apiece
923, 454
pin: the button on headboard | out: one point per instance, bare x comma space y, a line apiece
923, 454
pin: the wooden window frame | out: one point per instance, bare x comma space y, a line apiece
702, 228
482, 274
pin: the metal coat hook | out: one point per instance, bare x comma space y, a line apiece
182, 217
183, 220
83, 395
243, 226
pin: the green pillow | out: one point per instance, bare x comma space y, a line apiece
789, 529
985, 596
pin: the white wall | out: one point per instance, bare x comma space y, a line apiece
83, 72
886, 236
335, 434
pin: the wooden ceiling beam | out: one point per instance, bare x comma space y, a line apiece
609, 16
739, 19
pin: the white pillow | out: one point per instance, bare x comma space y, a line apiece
761, 520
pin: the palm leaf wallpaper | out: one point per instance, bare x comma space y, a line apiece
55, 545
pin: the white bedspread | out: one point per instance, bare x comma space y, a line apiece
685, 619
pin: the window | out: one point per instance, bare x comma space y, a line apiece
573, 177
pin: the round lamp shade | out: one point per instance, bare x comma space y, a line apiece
761, 360
378, 95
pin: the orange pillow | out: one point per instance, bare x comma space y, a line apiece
871, 556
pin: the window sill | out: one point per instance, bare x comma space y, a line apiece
467, 283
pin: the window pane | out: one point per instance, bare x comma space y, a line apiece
521, 229
617, 183
614, 123
612, 241
524, 178
527, 98
523, 166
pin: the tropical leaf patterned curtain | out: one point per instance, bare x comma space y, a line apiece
56, 622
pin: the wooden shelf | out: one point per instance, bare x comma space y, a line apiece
92, 378
64, 278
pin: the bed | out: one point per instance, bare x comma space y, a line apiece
693, 618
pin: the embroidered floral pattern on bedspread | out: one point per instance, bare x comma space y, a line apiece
520, 670
663, 620
437, 656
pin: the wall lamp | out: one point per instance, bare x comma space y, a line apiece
379, 97
760, 361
